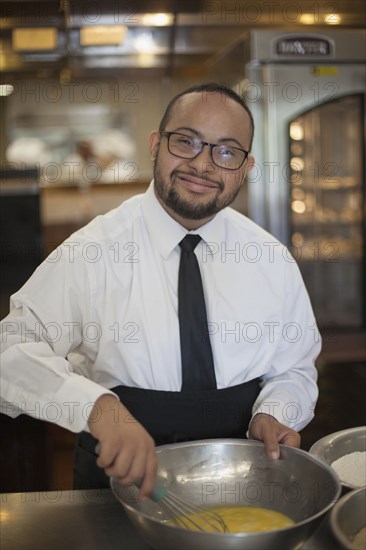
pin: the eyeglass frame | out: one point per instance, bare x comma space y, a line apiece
203, 143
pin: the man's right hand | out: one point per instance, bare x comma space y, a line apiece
127, 451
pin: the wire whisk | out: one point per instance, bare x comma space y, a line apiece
186, 514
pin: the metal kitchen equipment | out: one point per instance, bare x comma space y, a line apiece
348, 517
306, 91
180, 511
184, 513
234, 472
337, 444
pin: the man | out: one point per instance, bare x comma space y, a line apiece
96, 333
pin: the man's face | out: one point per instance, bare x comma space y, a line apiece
194, 190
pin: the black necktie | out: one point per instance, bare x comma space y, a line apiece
197, 361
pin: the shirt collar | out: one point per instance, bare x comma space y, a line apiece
167, 233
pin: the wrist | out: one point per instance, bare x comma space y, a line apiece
264, 416
258, 419
104, 410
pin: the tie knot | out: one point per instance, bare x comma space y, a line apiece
189, 243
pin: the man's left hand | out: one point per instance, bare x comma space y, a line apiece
266, 428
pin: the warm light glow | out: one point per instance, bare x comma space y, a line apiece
146, 60
28, 39
4, 515
65, 75
332, 19
298, 207
6, 89
307, 19
296, 179
157, 19
298, 238
103, 35
144, 43
296, 131
296, 149
297, 164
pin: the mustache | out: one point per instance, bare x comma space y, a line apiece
178, 173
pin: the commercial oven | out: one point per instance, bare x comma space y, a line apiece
307, 94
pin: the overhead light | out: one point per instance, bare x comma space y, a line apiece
307, 19
144, 43
332, 19
32, 39
157, 19
103, 35
6, 89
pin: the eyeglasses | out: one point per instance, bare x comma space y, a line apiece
188, 147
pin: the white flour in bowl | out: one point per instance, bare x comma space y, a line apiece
351, 468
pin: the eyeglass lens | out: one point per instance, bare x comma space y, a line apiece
223, 155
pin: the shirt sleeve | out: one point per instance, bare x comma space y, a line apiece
289, 389
44, 326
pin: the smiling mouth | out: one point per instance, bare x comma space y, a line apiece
195, 184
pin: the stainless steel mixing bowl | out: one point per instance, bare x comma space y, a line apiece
337, 444
235, 472
348, 517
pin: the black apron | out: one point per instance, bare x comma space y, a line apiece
171, 417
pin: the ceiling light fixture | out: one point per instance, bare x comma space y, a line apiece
144, 43
157, 19
332, 19
6, 89
34, 39
307, 19
103, 35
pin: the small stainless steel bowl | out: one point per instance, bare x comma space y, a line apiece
348, 517
235, 472
337, 444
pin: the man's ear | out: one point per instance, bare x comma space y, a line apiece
249, 165
154, 140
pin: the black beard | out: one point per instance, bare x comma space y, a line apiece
184, 208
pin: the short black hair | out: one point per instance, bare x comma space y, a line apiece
209, 87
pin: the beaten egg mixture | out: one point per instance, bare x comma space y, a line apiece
245, 519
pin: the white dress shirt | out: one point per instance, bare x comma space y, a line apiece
101, 311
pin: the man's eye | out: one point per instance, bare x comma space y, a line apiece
227, 152
186, 141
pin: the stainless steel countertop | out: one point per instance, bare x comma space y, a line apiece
84, 520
